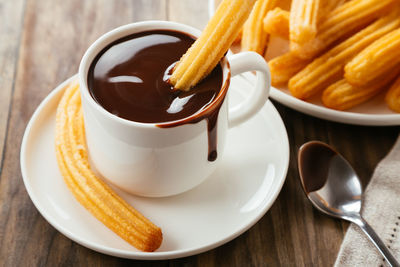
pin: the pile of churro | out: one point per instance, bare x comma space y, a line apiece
346, 52
92, 192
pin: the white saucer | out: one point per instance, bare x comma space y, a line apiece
228, 203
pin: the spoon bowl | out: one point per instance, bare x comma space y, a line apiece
333, 187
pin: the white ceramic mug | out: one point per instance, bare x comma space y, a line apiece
147, 160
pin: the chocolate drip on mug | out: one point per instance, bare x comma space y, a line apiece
212, 136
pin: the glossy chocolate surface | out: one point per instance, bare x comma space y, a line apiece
129, 78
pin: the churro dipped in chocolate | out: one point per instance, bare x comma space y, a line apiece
213, 43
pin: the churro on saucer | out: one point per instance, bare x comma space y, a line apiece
93, 193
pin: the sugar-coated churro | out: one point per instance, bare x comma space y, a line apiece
283, 68
214, 41
392, 97
341, 22
379, 57
276, 22
342, 95
94, 194
328, 68
254, 37
303, 20
325, 8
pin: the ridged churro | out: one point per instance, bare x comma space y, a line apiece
327, 6
342, 95
276, 22
254, 37
378, 58
392, 97
94, 194
214, 41
283, 68
303, 20
328, 68
342, 22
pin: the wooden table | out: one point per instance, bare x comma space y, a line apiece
41, 44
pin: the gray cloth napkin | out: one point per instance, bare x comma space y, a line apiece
381, 209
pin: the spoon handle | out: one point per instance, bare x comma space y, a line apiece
373, 236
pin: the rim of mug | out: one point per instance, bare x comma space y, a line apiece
97, 46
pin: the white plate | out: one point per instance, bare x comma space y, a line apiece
228, 203
373, 113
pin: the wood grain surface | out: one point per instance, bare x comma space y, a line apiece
41, 44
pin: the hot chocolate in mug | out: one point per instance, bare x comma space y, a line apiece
134, 150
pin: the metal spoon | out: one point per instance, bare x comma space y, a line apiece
334, 188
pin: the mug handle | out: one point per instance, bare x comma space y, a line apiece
243, 62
